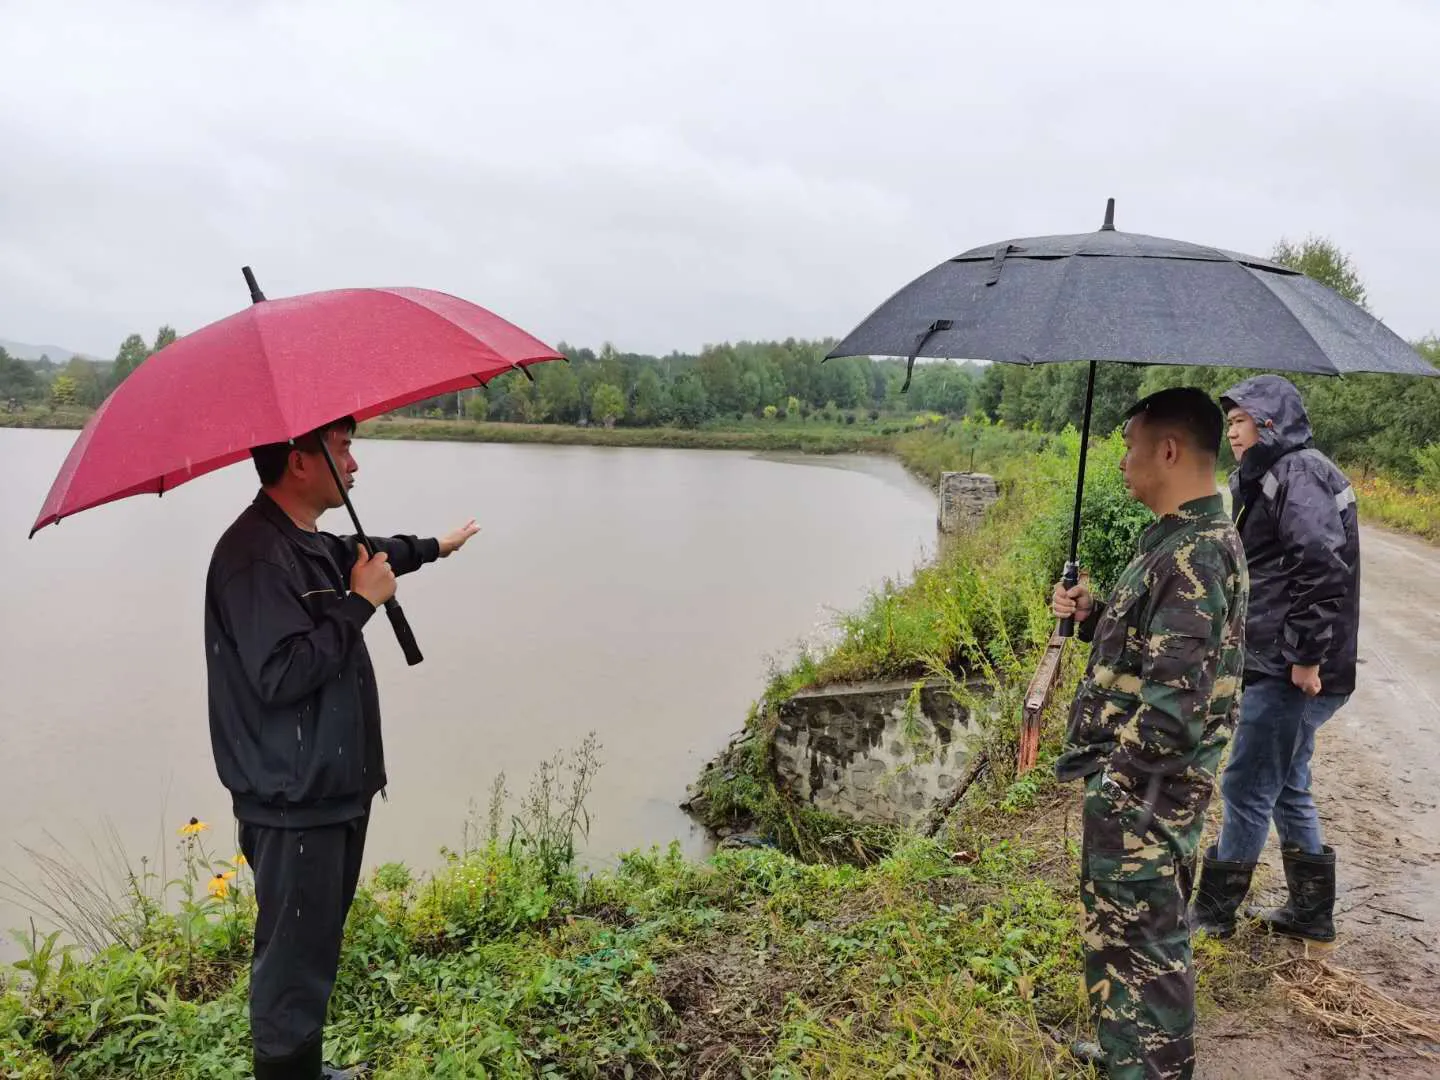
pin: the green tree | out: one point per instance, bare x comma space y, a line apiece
559, 390
942, 387
989, 390
652, 399
692, 404
514, 399
721, 377
1427, 461
608, 404
164, 336
844, 381
752, 392
477, 406
64, 390
133, 352
89, 385
18, 380
1319, 258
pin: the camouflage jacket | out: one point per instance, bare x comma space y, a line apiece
1168, 654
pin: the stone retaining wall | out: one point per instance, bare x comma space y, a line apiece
871, 753
964, 498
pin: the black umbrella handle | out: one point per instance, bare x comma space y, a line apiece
401, 625
403, 634
1070, 580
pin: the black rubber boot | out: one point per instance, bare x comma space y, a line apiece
306, 1065
1310, 913
1223, 886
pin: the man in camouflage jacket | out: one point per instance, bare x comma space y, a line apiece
1147, 728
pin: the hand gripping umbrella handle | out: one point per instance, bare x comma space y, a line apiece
1070, 580
403, 633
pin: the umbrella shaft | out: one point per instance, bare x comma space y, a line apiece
1072, 567
1080, 475
345, 497
398, 622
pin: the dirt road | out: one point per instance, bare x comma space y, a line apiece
1377, 782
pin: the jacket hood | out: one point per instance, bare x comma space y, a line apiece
1279, 413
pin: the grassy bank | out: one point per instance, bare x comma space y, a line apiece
810, 437
45, 416
979, 613
503, 964
1395, 506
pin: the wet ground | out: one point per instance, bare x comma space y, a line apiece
1377, 782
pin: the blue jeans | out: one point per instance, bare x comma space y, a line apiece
1268, 775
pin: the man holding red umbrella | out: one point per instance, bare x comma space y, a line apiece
294, 712
295, 725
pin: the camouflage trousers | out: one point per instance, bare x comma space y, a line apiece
1137, 866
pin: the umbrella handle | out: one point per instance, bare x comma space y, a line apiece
403, 634
1070, 580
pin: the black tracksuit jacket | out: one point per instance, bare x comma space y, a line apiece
294, 711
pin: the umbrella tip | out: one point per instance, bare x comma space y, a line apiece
1109, 225
256, 296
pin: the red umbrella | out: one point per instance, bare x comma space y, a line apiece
273, 372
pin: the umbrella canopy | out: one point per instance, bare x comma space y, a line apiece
273, 372
1128, 298
1117, 297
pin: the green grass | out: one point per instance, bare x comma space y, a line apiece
1383, 501
967, 445
954, 956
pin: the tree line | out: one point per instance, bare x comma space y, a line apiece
775, 380
1368, 422
79, 381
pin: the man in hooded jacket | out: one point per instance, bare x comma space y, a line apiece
1296, 514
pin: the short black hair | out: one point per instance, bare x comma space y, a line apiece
1185, 410
271, 458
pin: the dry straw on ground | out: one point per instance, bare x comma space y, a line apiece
1347, 1007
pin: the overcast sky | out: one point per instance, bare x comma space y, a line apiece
663, 175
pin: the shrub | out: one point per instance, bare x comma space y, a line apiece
1427, 461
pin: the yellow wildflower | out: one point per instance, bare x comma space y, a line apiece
194, 827
220, 884
240, 860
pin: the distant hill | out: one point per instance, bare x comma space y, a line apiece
59, 355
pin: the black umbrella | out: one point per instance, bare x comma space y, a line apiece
1115, 297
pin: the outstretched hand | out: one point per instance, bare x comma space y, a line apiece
454, 541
